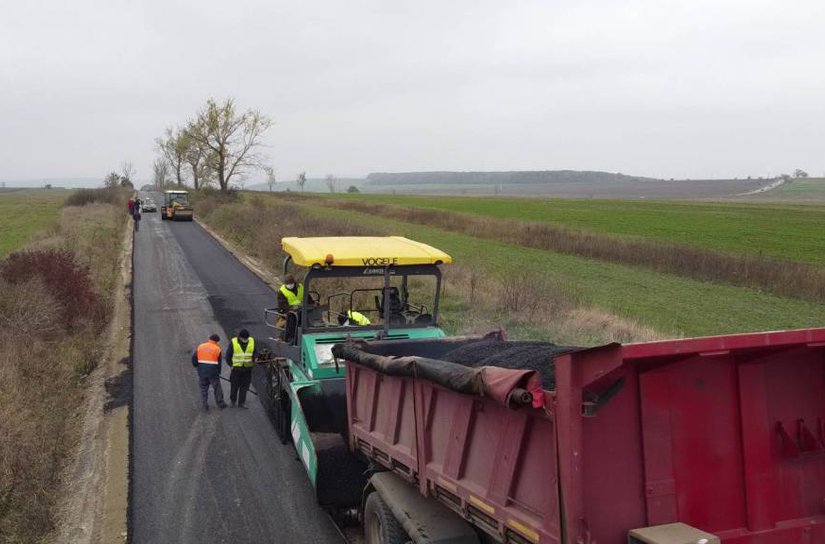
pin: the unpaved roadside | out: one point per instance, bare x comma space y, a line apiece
94, 497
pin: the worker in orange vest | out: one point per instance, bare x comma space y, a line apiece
207, 359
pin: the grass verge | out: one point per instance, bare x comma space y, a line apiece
49, 343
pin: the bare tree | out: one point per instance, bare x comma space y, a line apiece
301, 180
270, 176
160, 172
127, 174
330, 182
799, 173
112, 179
173, 146
196, 155
232, 138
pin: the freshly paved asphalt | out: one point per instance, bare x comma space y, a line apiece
219, 476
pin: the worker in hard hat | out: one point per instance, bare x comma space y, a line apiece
241, 355
351, 317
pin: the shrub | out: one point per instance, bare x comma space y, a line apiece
69, 284
109, 195
28, 309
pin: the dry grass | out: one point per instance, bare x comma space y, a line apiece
794, 279
474, 300
43, 362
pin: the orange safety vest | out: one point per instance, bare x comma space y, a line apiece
208, 353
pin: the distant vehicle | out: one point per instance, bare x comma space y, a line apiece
149, 206
176, 206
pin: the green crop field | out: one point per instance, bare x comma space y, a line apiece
671, 304
25, 213
779, 230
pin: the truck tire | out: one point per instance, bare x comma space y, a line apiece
380, 525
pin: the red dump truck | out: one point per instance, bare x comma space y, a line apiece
700, 441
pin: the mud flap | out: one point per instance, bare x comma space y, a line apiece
425, 520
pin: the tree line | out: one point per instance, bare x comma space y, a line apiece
219, 145
119, 179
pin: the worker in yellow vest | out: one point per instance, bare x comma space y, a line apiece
207, 359
241, 355
290, 295
290, 298
351, 317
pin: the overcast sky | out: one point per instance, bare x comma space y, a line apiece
695, 88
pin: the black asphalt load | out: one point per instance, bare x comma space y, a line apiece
216, 476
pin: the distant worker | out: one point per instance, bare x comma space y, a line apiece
136, 213
207, 359
351, 317
241, 356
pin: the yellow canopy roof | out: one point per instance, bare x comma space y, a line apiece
374, 251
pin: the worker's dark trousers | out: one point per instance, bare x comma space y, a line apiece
215, 382
240, 378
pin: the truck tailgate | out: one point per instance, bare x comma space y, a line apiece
723, 433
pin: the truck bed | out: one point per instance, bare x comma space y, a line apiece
725, 434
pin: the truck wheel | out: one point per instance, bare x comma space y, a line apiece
380, 525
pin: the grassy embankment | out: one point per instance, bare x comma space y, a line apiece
55, 299
565, 297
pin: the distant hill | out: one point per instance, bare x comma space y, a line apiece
313, 185
499, 178
54, 182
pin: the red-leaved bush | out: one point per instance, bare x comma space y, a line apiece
69, 283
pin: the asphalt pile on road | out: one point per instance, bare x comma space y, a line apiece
538, 356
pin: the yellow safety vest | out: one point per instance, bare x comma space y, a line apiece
293, 299
241, 357
358, 318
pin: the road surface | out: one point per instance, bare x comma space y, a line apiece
219, 476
